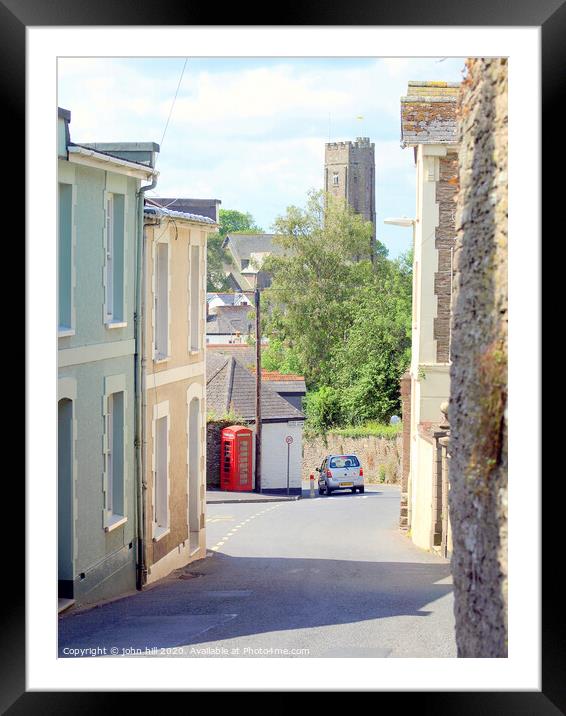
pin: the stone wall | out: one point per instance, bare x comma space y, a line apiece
478, 400
444, 242
380, 457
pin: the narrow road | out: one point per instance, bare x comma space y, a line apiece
323, 577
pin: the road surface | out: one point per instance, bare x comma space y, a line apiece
323, 577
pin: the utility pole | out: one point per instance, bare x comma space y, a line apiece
257, 393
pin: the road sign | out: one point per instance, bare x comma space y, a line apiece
288, 439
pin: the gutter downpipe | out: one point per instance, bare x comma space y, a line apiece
139, 441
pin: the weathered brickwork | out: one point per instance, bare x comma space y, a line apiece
478, 374
428, 113
433, 88
445, 237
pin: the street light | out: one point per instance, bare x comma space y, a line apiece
403, 221
406, 221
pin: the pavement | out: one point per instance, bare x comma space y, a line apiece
322, 577
227, 497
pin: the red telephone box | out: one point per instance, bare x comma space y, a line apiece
236, 459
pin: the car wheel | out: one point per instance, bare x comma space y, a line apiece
328, 490
320, 490
353, 490
361, 489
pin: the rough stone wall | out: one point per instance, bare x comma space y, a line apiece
478, 401
445, 237
380, 457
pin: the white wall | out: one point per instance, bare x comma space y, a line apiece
224, 338
274, 455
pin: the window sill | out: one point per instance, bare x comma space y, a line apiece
160, 359
116, 324
115, 521
160, 532
64, 332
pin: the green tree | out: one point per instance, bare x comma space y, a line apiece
216, 260
280, 357
377, 348
232, 221
344, 323
309, 302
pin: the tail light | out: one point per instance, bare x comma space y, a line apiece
328, 473
361, 471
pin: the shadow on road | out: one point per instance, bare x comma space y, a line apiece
226, 597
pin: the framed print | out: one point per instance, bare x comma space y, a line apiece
117, 254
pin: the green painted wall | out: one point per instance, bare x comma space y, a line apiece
61, 139
65, 253
104, 562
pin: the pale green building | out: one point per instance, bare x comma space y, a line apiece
99, 214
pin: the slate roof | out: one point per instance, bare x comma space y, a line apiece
201, 207
229, 299
158, 211
428, 113
241, 351
229, 319
243, 245
289, 386
283, 382
229, 386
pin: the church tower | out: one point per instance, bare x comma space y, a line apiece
349, 173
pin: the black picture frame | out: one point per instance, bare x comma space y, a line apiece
550, 16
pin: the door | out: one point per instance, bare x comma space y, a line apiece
65, 547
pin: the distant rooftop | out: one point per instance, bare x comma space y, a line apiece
243, 245
159, 212
231, 387
138, 152
202, 207
230, 319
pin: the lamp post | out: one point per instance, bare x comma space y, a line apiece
403, 221
406, 221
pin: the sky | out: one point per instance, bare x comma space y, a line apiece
251, 131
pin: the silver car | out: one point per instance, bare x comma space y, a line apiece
340, 472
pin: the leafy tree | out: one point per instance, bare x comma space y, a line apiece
376, 352
232, 221
313, 282
280, 357
344, 323
323, 409
217, 258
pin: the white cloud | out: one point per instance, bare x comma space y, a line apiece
254, 137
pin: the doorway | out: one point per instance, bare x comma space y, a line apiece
65, 499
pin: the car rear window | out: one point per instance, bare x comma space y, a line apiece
344, 461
